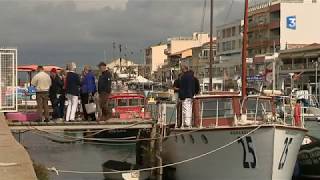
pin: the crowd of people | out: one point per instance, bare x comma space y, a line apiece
186, 86
66, 85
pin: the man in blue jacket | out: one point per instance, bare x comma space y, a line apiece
104, 90
88, 89
187, 90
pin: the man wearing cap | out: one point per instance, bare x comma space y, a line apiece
42, 82
55, 93
104, 90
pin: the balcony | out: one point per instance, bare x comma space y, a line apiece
275, 23
301, 67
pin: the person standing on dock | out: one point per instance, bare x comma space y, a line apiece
186, 92
42, 82
88, 89
55, 92
72, 92
104, 90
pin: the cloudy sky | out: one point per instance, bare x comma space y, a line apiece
60, 31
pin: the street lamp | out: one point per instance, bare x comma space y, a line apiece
291, 78
316, 79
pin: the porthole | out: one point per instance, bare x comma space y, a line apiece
182, 138
191, 138
204, 139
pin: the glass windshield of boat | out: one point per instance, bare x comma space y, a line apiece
129, 102
257, 108
217, 108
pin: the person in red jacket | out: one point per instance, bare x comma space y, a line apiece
297, 113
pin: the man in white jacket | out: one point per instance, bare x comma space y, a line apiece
42, 82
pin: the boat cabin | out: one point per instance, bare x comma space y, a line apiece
228, 109
128, 105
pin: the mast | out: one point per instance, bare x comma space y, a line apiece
211, 42
244, 50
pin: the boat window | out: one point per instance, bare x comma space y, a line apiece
122, 102
111, 103
221, 107
134, 102
259, 106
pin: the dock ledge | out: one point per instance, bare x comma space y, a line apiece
15, 162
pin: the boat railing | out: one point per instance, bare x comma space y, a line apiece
286, 113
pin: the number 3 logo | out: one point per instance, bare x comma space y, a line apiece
247, 144
291, 22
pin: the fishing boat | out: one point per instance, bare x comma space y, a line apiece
309, 159
269, 152
234, 136
128, 105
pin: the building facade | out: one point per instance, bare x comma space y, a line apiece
155, 57
298, 68
282, 24
229, 41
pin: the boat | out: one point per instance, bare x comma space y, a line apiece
309, 159
128, 105
234, 135
113, 166
269, 152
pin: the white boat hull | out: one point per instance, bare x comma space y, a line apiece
269, 153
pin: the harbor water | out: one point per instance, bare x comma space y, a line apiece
79, 156
75, 156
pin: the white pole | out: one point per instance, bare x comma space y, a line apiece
316, 80
274, 68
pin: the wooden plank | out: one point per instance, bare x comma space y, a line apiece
16, 163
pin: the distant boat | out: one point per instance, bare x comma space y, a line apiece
309, 160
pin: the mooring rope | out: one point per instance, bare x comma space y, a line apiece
57, 171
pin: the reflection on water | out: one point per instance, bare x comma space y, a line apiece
78, 156
313, 128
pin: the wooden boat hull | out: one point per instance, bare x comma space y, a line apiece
269, 153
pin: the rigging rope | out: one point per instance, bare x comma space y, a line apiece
57, 171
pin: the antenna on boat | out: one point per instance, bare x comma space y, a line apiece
244, 51
211, 42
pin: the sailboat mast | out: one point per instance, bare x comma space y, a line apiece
244, 51
211, 42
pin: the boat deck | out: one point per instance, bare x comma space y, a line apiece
83, 125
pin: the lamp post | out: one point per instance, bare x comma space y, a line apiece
316, 79
291, 78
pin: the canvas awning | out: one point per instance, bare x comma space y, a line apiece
33, 67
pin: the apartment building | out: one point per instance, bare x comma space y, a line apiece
155, 57
282, 24
229, 41
302, 64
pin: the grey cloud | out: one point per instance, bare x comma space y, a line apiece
47, 32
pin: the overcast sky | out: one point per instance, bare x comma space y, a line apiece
60, 31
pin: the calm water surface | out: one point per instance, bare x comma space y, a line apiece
79, 157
